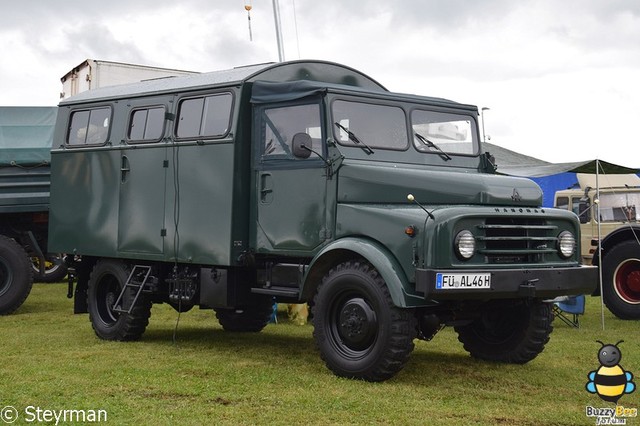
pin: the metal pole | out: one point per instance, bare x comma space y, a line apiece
484, 135
276, 17
597, 201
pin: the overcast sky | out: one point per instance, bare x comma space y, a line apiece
561, 78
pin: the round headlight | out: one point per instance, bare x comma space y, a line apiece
566, 244
465, 244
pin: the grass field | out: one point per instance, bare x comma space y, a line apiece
51, 359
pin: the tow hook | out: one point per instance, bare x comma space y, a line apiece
528, 288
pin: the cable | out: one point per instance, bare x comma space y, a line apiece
176, 223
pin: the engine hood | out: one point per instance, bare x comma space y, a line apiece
361, 182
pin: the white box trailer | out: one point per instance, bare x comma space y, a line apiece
93, 73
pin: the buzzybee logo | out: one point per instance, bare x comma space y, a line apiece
610, 381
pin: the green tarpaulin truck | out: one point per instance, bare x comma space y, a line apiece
306, 181
26, 135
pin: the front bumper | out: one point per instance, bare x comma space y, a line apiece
546, 283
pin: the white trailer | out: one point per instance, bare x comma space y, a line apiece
93, 73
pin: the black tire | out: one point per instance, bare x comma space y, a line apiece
105, 284
55, 269
621, 280
16, 278
512, 334
250, 318
358, 330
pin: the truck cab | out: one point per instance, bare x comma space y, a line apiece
306, 182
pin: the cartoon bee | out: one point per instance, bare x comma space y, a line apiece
610, 381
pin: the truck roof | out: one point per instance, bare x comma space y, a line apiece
313, 70
273, 82
608, 180
269, 92
26, 135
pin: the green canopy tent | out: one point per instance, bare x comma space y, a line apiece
551, 177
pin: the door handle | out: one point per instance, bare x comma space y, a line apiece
125, 169
266, 188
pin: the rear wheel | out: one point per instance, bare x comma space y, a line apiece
621, 280
54, 268
105, 285
16, 279
513, 334
358, 330
251, 317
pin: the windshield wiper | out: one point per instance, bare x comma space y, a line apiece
355, 139
430, 144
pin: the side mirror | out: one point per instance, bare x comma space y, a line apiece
490, 162
584, 212
301, 145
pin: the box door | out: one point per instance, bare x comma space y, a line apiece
143, 171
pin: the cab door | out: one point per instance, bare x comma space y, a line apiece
290, 191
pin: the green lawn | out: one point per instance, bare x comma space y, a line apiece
51, 359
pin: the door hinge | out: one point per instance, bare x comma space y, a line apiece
163, 232
165, 164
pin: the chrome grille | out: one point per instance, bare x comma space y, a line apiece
512, 240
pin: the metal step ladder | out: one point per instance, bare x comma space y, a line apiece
133, 282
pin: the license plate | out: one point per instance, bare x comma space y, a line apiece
457, 281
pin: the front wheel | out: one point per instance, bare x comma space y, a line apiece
358, 330
105, 284
16, 279
513, 333
621, 280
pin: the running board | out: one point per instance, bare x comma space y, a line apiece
277, 291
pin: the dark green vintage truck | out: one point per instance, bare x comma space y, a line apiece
306, 181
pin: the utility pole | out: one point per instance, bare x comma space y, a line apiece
276, 17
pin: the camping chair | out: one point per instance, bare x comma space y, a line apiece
568, 309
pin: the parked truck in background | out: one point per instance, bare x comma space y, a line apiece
26, 135
616, 234
306, 181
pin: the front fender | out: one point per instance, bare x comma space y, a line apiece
629, 232
401, 290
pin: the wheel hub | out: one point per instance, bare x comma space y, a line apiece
627, 281
357, 323
110, 300
633, 281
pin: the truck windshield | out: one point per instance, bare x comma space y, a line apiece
450, 133
372, 126
620, 207
376, 126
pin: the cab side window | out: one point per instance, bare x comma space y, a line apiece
281, 124
562, 203
205, 116
89, 127
146, 124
